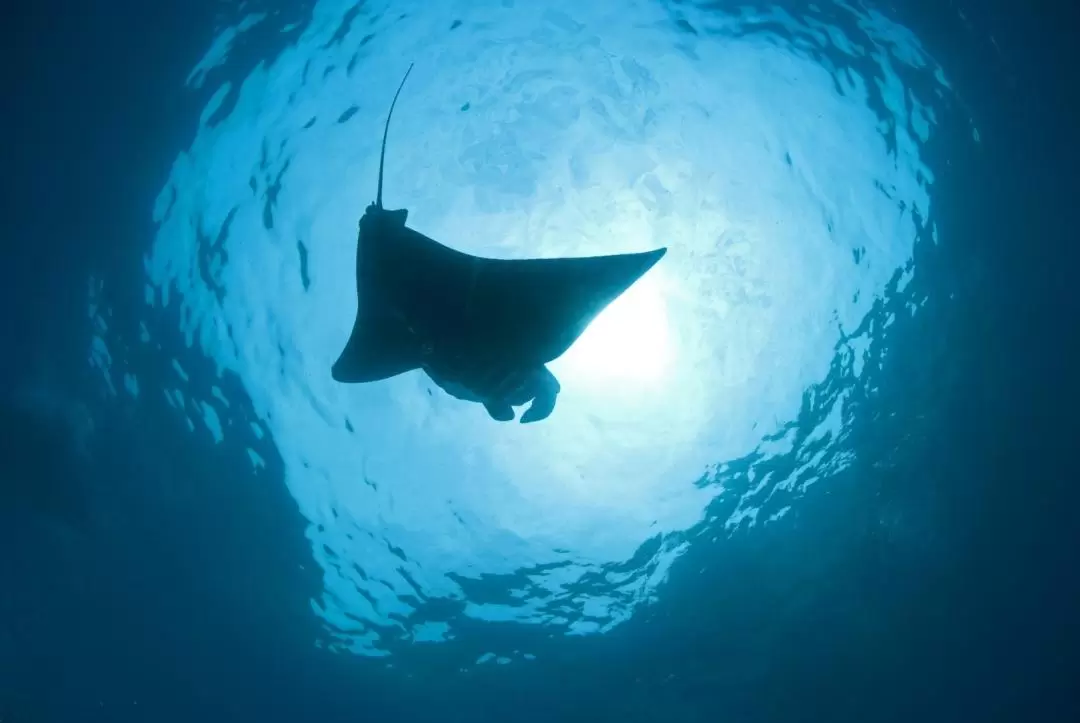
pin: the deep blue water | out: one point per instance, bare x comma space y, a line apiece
814, 467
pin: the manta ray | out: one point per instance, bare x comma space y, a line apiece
482, 329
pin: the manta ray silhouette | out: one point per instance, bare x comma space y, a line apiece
482, 329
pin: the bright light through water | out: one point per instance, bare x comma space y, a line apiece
777, 156
626, 347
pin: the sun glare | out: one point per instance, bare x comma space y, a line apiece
628, 341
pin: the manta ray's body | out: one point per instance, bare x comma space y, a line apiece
483, 329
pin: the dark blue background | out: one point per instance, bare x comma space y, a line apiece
185, 595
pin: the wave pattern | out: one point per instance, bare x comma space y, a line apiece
779, 156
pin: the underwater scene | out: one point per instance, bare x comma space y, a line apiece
495, 360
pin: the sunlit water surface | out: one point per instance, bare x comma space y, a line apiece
776, 155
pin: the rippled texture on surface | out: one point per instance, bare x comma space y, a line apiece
778, 155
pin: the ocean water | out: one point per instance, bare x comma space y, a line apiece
778, 158
765, 492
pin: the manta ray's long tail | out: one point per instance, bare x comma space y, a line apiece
386, 130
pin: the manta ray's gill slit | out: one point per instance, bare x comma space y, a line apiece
622, 134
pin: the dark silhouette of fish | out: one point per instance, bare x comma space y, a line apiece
482, 329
